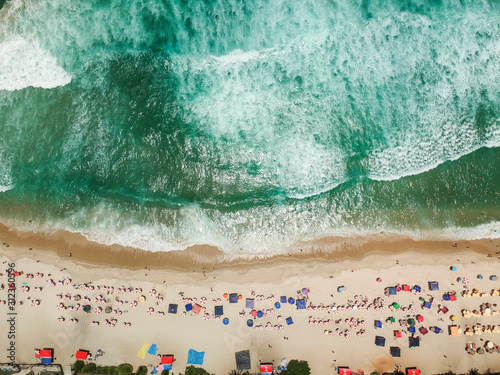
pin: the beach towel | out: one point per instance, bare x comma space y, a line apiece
142, 351
195, 358
152, 349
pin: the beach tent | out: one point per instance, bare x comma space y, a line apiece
266, 369
454, 331
189, 307
412, 371
397, 334
243, 360
393, 291
406, 288
423, 330
46, 361
344, 371
283, 299
233, 298
172, 308
142, 351
433, 286
301, 304
414, 342
379, 341
446, 297
437, 330
412, 329
45, 353
453, 297
218, 310
196, 309
444, 310
195, 358
82, 355
289, 320
152, 349
395, 351
411, 322
378, 324
167, 359
250, 303
427, 305
291, 301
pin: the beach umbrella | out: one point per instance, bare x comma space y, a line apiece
396, 305
305, 290
417, 288
420, 318
98, 310
253, 313
493, 278
453, 268
437, 330
150, 311
379, 279
392, 320
480, 277
291, 301
206, 316
340, 289
225, 321
260, 314
225, 295
152, 292
108, 310
411, 322
249, 322
142, 299
277, 305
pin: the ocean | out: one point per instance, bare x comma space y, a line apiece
250, 125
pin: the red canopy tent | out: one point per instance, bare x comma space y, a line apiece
397, 334
412, 371
167, 359
82, 355
266, 368
46, 353
453, 297
344, 371
406, 288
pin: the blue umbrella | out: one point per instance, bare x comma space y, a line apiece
291, 301
225, 321
249, 322
453, 268
260, 314
480, 277
277, 305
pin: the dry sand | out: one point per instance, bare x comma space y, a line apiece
321, 266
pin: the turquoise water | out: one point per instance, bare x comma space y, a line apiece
250, 124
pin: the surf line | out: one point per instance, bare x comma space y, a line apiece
11, 315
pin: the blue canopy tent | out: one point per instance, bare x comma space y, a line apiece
414, 342
152, 349
46, 361
395, 351
378, 324
233, 298
277, 305
218, 310
172, 308
189, 307
291, 301
446, 297
412, 329
437, 330
289, 320
427, 305
195, 358
250, 303
301, 304
433, 286
283, 299
393, 291
379, 341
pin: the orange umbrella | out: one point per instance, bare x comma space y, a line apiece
225, 295
240, 297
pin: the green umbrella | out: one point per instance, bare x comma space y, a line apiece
411, 322
396, 305
392, 320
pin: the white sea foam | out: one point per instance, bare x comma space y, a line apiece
24, 64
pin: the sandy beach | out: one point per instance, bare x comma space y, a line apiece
336, 329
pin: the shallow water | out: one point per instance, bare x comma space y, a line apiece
250, 124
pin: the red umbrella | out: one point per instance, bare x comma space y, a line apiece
420, 318
253, 313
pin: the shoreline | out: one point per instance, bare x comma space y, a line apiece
329, 249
